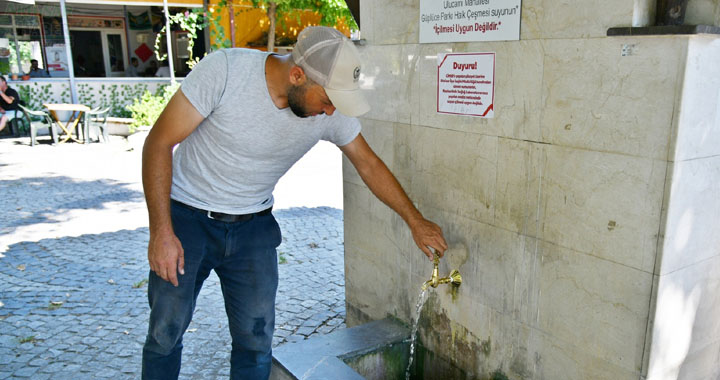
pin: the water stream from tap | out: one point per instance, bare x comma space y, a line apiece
413, 335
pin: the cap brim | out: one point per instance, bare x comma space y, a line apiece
349, 102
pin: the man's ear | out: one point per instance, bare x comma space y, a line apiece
297, 76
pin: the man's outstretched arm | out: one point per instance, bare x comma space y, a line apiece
177, 121
385, 186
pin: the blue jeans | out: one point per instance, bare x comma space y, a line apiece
243, 256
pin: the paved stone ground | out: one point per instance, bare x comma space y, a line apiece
73, 236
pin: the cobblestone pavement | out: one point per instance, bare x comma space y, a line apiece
73, 268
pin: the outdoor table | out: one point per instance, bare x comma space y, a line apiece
77, 111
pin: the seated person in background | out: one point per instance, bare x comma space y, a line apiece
80, 69
132, 70
8, 102
35, 71
163, 70
152, 69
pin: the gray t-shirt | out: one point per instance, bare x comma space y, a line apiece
233, 160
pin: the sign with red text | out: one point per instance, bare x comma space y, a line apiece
469, 20
466, 84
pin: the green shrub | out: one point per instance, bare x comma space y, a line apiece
147, 109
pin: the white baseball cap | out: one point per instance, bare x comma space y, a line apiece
332, 61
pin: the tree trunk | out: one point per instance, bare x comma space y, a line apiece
271, 31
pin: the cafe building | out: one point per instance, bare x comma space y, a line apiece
104, 37
104, 54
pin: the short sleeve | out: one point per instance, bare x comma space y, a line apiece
205, 85
341, 130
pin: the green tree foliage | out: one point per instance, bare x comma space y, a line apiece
331, 12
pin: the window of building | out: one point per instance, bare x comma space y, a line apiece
21, 36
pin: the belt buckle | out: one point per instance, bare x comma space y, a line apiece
209, 215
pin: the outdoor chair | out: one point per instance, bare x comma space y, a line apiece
17, 123
96, 119
36, 120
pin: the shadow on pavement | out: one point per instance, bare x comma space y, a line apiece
32, 200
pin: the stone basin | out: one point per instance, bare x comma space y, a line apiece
378, 350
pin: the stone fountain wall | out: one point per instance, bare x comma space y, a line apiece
584, 217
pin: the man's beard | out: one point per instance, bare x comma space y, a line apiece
296, 95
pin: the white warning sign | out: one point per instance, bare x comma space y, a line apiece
469, 20
466, 84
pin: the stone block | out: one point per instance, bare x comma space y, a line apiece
519, 178
392, 22
583, 298
371, 276
369, 224
698, 125
558, 359
389, 81
691, 225
448, 170
594, 98
603, 204
685, 327
547, 19
380, 136
703, 12
518, 90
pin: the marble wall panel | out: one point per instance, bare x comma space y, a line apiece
377, 277
388, 80
603, 204
587, 299
393, 22
685, 322
518, 80
698, 133
595, 98
380, 136
488, 342
497, 266
559, 359
367, 20
702, 364
369, 277
369, 224
518, 186
448, 170
703, 12
692, 224
551, 19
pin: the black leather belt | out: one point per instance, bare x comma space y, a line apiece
227, 218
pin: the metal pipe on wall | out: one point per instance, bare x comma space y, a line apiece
169, 43
68, 52
127, 34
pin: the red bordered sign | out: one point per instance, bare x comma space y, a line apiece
466, 84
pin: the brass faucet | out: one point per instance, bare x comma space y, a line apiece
454, 278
